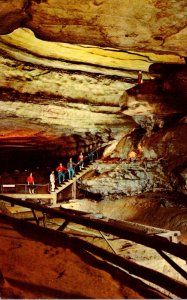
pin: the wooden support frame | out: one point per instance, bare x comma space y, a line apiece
173, 286
155, 242
35, 217
104, 237
73, 189
63, 226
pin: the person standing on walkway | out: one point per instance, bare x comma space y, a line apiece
140, 78
30, 182
70, 166
61, 176
81, 161
90, 154
52, 181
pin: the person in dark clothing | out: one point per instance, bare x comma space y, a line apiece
91, 154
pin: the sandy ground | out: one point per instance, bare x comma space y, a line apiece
34, 264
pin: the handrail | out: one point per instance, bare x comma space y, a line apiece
175, 287
36, 184
179, 250
172, 285
47, 184
84, 160
25, 185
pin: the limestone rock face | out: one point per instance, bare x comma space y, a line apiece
153, 103
128, 179
137, 25
139, 163
58, 98
64, 97
12, 14
56, 102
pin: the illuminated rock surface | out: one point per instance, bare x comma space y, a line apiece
68, 79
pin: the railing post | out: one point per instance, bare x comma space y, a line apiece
74, 186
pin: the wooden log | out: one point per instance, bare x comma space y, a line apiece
114, 228
173, 286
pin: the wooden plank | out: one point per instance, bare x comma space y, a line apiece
114, 228
52, 196
70, 181
170, 235
30, 196
176, 287
18, 209
73, 211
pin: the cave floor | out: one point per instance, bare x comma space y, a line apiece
36, 266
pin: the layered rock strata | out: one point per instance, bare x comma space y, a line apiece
61, 98
137, 25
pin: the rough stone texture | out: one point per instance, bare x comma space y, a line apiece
133, 25
158, 163
54, 90
59, 97
12, 14
153, 103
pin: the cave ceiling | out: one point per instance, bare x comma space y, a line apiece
68, 69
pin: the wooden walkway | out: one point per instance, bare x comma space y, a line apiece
72, 181
52, 197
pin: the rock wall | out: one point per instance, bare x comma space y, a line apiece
154, 25
62, 97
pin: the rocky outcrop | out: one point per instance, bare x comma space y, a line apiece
153, 103
58, 98
149, 26
139, 163
57, 91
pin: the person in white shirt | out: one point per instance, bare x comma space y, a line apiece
52, 181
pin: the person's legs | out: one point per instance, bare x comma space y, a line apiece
71, 173
59, 177
52, 186
90, 155
81, 165
32, 189
63, 177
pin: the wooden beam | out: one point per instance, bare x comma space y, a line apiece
74, 187
173, 286
63, 226
35, 217
112, 227
109, 244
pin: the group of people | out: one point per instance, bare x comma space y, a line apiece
61, 170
